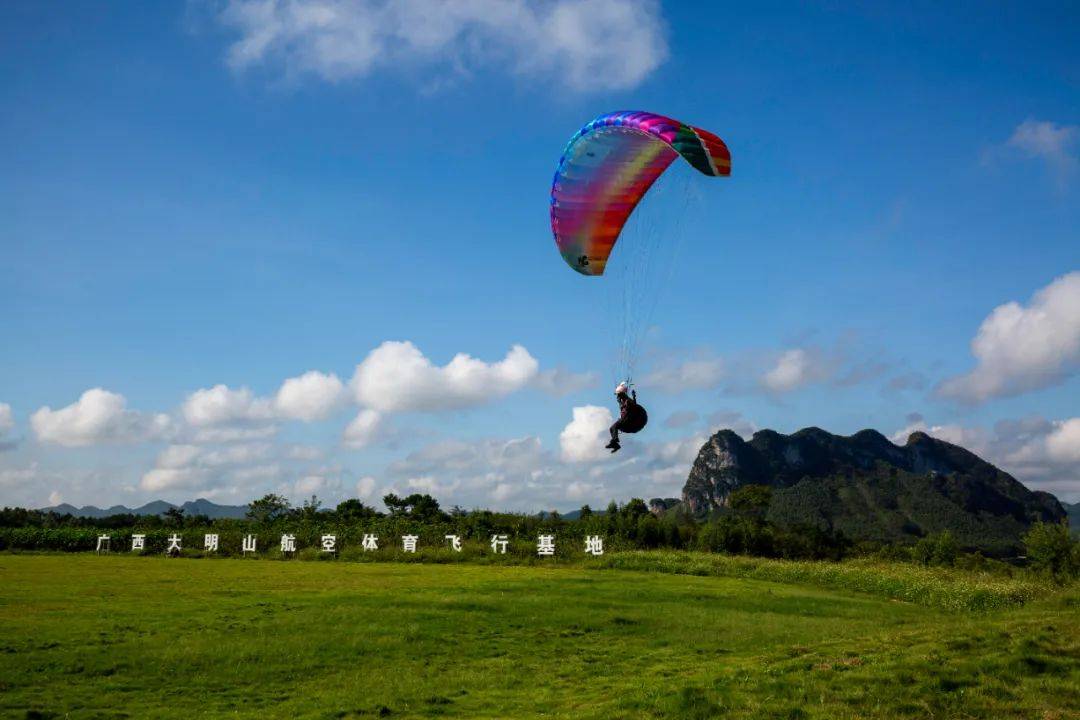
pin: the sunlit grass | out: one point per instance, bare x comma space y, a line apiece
93, 637
947, 588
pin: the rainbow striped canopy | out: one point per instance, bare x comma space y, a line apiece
607, 168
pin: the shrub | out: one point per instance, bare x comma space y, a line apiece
1050, 550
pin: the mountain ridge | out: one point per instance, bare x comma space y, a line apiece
869, 488
199, 506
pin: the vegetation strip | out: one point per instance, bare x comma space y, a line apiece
951, 589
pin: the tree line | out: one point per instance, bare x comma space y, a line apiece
742, 527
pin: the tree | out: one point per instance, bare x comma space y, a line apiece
585, 511
946, 549
1051, 550
352, 510
174, 516
635, 509
268, 508
421, 507
310, 509
424, 508
751, 501
395, 505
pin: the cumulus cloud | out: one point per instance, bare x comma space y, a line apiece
681, 418
561, 382
7, 420
98, 416
230, 434
363, 430
1043, 454
582, 440
15, 476
221, 405
480, 471
1063, 442
795, 369
702, 372
734, 421
309, 397
187, 466
514, 457
1019, 349
322, 481
365, 486
7, 423
1049, 142
956, 434
581, 44
397, 377
521, 473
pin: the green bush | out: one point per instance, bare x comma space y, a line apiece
1052, 551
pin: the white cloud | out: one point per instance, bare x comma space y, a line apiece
226, 434
17, 476
682, 451
397, 377
681, 418
794, 369
1047, 141
503, 492
324, 482
1043, 454
7, 420
172, 478
309, 397
430, 485
561, 382
7, 423
580, 44
98, 416
221, 405
365, 486
579, 490
967, 438
1020, 348
733, 421
55, 498
363, 430
481, 462
1063, 442
188, 466
583, 438
697, 373
303, 452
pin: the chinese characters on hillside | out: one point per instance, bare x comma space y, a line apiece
545, 544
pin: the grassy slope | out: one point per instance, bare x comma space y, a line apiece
86, 636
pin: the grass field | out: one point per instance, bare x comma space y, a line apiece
83, 636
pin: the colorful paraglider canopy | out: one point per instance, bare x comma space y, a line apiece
607, 168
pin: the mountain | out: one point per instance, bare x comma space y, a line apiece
1073, 512
870, 489
201, 506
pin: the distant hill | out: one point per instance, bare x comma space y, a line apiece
201, 506
1073, 512
868, 488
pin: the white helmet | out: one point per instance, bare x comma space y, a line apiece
622, 389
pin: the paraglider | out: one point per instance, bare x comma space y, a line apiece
606, 169
632, 416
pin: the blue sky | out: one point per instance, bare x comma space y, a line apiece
229, 195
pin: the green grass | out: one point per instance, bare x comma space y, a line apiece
83, 636
947, 588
